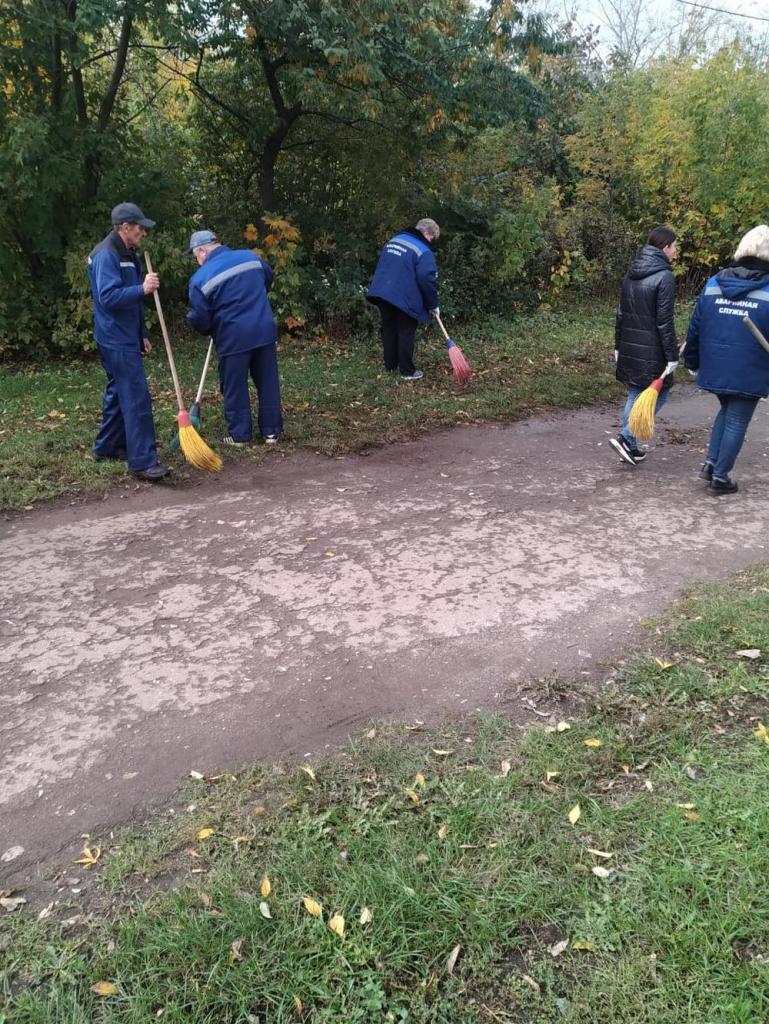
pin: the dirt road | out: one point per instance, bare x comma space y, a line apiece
275, 608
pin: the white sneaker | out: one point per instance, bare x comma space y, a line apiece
270, 438
416, 375
228, 439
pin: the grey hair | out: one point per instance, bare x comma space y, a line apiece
428, 226
754, 243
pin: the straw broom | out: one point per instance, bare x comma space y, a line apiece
641, 419
195, 407
459, 365
194, 448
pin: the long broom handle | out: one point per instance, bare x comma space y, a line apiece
440, 324
199, 395
756, 332
164, 331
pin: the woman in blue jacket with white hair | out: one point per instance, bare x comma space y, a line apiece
726, 357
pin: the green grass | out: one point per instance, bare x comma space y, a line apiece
485, 859
336, 397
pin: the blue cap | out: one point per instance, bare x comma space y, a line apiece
129, 213
201, 238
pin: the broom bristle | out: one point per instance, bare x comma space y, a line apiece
197, 451
641, 419
459, 364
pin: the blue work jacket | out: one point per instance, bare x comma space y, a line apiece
718, 344
406, 275
115, 275
228, 300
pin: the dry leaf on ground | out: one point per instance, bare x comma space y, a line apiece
104, 988
575, 814
312, 906
558, 947
265, 888
600, 853
761, 733
452, 959
204, 833
336, 924
752, 653
308, 771
366, 916
235, 953
89, 856
602, 872
505, 768
593, 742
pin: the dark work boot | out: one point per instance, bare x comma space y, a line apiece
152, 473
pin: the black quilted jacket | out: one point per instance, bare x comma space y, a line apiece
644, 334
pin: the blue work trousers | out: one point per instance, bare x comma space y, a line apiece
127, 429
728, 433
234, 370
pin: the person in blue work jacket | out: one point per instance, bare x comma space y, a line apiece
404, 287
228, 300
127, 430
725, 356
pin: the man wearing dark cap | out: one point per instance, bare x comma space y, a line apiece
228, 300
127, 430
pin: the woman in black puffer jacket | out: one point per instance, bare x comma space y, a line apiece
644, 334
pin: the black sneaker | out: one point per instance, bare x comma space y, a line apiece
706, 472
229, 440
623, 449
416, 375
638, 455
152, 473
717, 487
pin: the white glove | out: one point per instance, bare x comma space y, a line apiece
435, 312
670, 368
616, 355
692, 373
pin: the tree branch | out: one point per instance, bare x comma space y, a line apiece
108, 102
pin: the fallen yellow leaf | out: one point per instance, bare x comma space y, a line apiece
761, 733
265, 888
551, 775
575, 814
264, 910
505, 768
336, 924
442, 831
259, 810
562, 727
419, 779
235, 953
104, 988
686, 807
583, 945
692, 815
89, 856
204, 833
593, 743
414, 797
600, 853
365, 916
442, 753
664, 665
298, 1004
312, 906
308, 771
601, 872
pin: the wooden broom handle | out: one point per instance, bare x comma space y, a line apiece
164, 331
205, 371
756, 332
440, 324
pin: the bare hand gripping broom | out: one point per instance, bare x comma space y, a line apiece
193, 446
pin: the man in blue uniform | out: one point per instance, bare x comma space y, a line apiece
228, 300
127, 430
404, 286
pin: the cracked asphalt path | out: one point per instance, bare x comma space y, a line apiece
275, 608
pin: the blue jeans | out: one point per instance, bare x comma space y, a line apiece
633, 391
261, 364
728, 433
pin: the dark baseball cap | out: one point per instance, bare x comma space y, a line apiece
129, 213
201, 238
